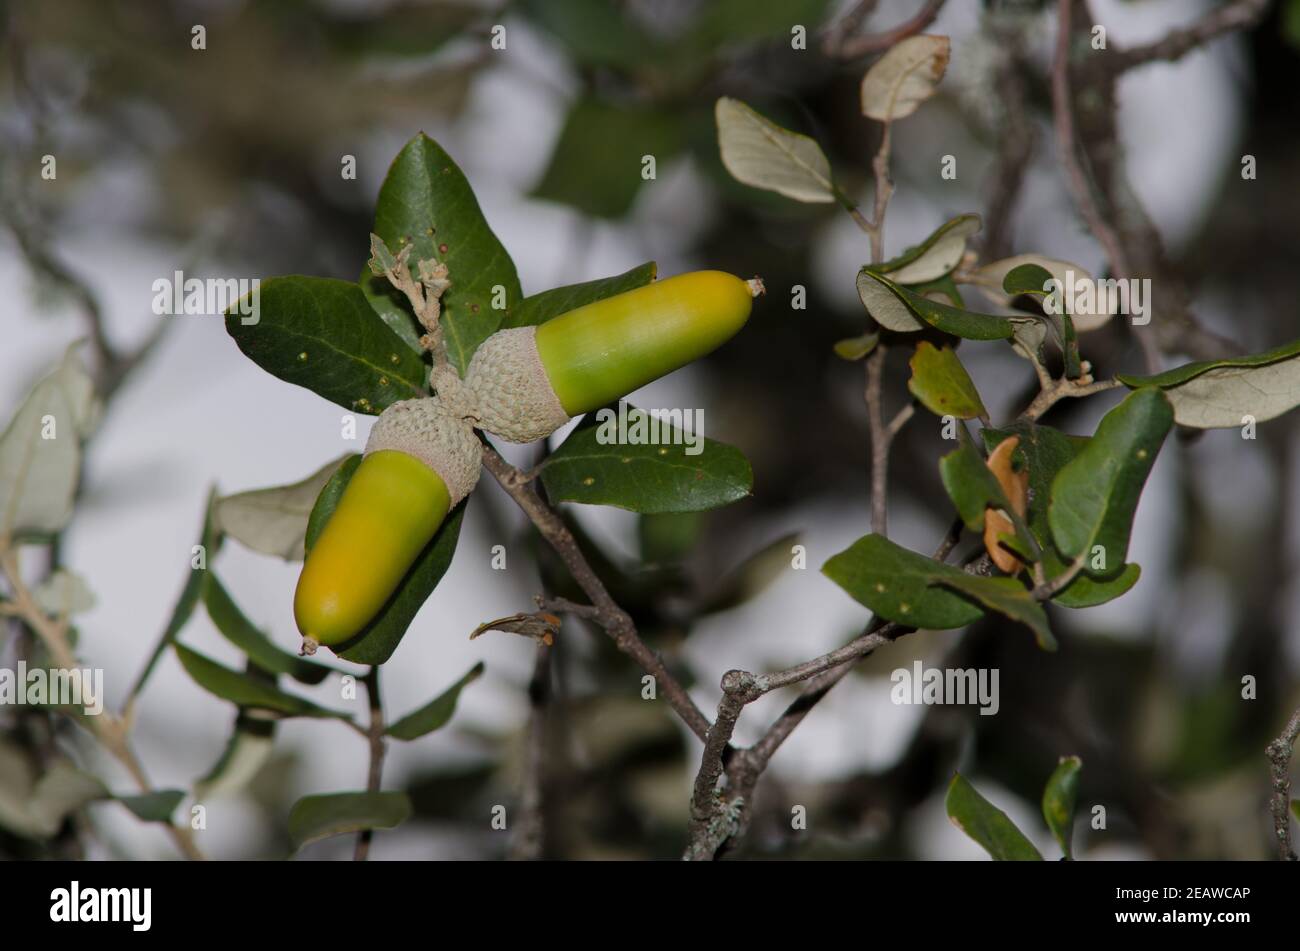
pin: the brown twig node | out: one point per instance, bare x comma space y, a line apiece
424, 295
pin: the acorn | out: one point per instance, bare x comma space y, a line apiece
527, 382
420, 461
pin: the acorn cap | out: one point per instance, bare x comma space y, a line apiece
512, 396
454, 393
427, 430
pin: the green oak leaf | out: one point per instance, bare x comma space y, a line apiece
209, 543
899, 585
595, 32
313, 818
1007, 597
971, 485
1028, 278
1095, 495
596, 467
1045, 452
900, 309
1059, 798
246, 691
987, 824
437, 712
155, 806
324, 335
539, 308
236, 628
621, 134
737, 21
427, 201
942, 384
392, 307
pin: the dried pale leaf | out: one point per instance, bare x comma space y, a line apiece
906, 76
989, 280
17, 780
40, 452
1027, 338
855, 348
1222, 397
884, 305
64, 594
381, 259
758, 152
541, 626
60, 792
248, 750
940, 253
274, 521
1015, 486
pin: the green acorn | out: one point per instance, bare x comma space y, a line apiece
527, 382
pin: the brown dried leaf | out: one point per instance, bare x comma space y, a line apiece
540, 626
1015, 486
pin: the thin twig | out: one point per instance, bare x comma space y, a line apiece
1177, 43
900, 419
1061, 389
616, 622
1017, 138
1089, 85
530, 836
884, 191
112, 367
880, 440
1279, 757
716, 819
565, 606
840, 42
109, 730
375, 775
1077, 178
874, 227
881, 435
1045, 589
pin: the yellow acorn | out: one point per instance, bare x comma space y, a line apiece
421, 460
